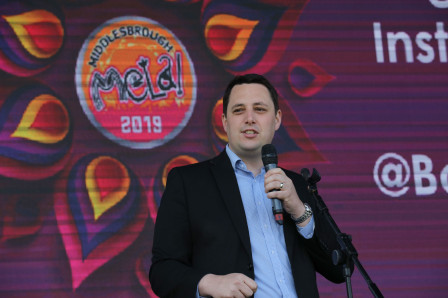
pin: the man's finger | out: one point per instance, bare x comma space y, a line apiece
250, 283
246, 290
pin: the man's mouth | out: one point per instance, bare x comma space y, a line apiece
250, 132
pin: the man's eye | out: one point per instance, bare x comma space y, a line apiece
236, 111
260, 109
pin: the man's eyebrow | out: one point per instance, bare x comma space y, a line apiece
259, 104
237, 105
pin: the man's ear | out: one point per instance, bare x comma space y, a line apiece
278, 119
224, 122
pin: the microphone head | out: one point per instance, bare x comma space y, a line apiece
269, 154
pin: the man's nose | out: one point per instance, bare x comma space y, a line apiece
250, 116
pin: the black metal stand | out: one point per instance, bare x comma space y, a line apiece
346, 254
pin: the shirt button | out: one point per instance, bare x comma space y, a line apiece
250, 266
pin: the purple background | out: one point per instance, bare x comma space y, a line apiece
369, 109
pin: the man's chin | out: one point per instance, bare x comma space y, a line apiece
248, 150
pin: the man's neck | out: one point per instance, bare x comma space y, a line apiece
252, 160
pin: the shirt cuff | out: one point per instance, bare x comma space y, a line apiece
197, 293
307, 231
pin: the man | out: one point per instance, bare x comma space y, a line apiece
215, 234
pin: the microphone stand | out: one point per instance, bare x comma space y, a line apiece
346, 254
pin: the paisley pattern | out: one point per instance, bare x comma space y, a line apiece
234, 29
103, 205
31, 36
35, 133
306, 78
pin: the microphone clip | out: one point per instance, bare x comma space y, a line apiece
311, 179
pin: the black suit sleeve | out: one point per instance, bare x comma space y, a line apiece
171, 274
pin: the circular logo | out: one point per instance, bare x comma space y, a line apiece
136, 82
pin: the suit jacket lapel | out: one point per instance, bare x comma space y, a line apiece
228, 186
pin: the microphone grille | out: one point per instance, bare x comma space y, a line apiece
269, 154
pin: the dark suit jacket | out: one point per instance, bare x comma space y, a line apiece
201, 228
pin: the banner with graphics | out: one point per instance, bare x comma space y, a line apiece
100, 99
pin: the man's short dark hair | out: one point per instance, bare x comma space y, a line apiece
250, 78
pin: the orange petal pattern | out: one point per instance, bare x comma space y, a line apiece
39, 32
45, 120
107, 182
227, 35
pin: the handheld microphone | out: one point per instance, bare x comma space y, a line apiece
269, 158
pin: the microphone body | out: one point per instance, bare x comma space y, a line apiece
270, 160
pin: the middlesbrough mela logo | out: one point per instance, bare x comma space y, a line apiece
136, 82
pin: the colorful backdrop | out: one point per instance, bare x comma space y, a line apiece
100, 99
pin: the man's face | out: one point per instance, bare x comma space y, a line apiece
251, 119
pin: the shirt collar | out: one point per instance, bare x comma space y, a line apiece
234, 159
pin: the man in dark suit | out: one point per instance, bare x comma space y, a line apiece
215, 234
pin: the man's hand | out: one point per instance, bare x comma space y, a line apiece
230, 285
278, 185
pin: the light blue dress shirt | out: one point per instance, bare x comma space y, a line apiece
270, 258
